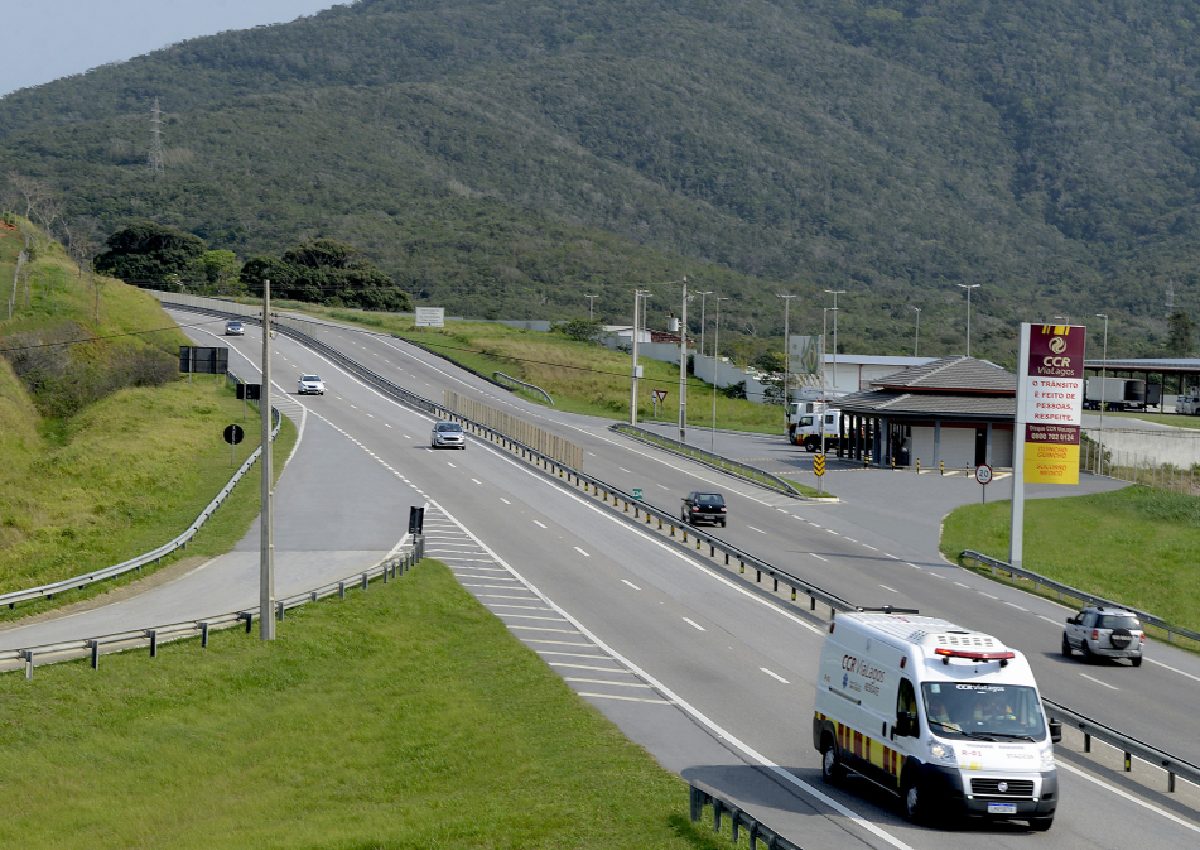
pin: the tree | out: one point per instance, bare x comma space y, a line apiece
1180, 332
146, 252
218, 273
584, 330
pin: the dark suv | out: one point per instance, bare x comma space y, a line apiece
701, 507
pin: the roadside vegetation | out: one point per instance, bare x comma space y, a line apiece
404, 716
107, 452
1136, 546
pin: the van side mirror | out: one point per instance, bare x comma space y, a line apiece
1055, 731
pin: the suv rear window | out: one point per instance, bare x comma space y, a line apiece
709, 499
1117, 621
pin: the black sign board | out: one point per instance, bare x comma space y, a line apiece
250, 392
203, 361
233, 434
416, 520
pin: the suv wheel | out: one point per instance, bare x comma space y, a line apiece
1086, 650
1137, 661
1066, 647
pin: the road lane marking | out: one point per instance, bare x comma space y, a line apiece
607, 682
694, 624
506, 501
759, 530
1098, 682
586, 667
775, 676
631, 584
581, 552
539, 523
1131, 798
624, 698
889, 589
818, 557
1168, 667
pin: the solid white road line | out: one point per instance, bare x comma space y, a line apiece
775, 676
631, 584
694, 624
1098, 682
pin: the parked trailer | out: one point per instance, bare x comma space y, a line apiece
1115, 393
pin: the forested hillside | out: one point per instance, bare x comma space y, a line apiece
502, 160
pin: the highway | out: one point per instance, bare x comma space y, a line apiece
712, 676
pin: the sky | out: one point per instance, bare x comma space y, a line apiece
43, 40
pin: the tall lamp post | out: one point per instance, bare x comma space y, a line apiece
591, 306
703, 296
835, 293
683, 366
712, 445
1103, 395
969, 287
787, 355
638, 296
917, 332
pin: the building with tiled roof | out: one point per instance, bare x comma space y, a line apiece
954, 410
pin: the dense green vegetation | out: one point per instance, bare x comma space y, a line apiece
1136, 546
502, 160
406, 716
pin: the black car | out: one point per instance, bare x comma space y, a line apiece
700, 507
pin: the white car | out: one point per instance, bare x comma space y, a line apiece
234, 328
311, 384
447, 435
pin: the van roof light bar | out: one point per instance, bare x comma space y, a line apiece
974, 655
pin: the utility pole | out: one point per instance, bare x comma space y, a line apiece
1103, 396
835, 293
716, 348
917, 332
638, 295
155, 158
969, 287
266, 560
591, 306
787, 355
683, 367
702, 295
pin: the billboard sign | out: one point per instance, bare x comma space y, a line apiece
1050, 402
430, 317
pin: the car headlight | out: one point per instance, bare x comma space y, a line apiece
942, 752
1047, 758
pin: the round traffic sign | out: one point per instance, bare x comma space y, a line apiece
983, 473
233, 434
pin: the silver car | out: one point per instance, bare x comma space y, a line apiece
311, 384
1100, 632
447, 435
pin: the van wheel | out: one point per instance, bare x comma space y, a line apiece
1066, 647
1041, 824
914, 801
832, 769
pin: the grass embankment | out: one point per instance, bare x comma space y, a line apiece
580, 377
1137, 546
92, 474
405, 716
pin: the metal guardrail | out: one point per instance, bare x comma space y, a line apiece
47, 591
836, 603
1129, 746
721, 464
1079, 595
52, 653
525, 384
699, 797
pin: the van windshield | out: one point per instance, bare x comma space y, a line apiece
983, 711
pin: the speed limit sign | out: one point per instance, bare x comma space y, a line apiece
983, 473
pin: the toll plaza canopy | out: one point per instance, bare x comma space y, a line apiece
1174, 375
956, 411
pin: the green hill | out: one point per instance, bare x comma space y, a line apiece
501, 160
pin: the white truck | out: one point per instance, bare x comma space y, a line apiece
947, 718
1114, 393
806, 422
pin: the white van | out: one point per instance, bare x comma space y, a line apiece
947, 718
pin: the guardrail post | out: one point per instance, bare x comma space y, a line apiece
918, 466
94, 645
279, 609
29, 664
1087, 742
1170, 782
735, 816
249, 618
153, 635
812, 602
695, 802
941, 467
386, 567
757, 576
341, 590
775, 589
204, 635
365, 581
1128, 763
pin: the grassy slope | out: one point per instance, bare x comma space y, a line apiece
406, 716
129, 472
1137, 546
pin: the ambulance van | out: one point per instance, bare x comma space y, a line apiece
947, 718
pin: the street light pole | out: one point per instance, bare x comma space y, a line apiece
917, 332
1103, 395
712, 445
266, 555
633, 392
683, 367
787, 355
703, 296
835, 293
969, 287
591, 306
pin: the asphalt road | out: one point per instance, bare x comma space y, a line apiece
712, 676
